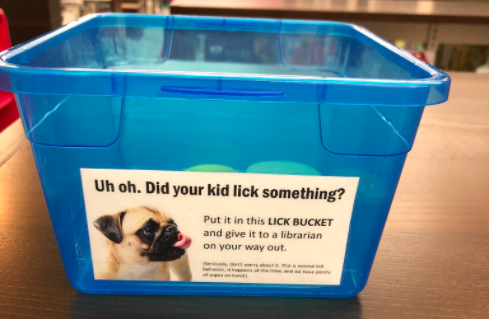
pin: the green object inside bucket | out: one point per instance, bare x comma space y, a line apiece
212, 168
276, 167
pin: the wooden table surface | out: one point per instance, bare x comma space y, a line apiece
457, 11
433, 260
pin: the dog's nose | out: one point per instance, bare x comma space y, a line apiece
169, 230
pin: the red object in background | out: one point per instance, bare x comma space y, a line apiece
8, 108
419, 55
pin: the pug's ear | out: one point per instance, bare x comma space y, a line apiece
111, 226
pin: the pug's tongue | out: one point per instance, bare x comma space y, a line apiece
183, 241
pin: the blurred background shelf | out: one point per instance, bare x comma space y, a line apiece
416, 25
428, 11
135, 6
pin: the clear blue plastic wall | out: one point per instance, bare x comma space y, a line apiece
272, 138
305, 54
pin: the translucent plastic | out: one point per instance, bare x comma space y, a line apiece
169, 93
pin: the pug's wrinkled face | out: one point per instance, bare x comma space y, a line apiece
145, 231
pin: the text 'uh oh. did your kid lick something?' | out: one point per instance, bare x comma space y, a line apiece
219, 190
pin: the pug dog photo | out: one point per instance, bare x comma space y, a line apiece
143, 243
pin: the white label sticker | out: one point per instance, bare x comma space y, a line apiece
218, 227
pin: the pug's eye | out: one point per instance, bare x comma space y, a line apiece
149, 230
